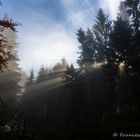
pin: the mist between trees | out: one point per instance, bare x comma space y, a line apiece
98, 98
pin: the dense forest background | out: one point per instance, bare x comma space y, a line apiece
97, 99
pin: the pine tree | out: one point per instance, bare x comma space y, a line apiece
133, 8
61, 66
64, 62
57, 68
42, 74
5, 48
10, 78
134, 12
120, 41
90, 43
31, 78
70, 75
123, 12
81, 36
101, 30
118, 52
87, 49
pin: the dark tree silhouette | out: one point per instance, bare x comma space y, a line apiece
101, 30
118, 52
133, 8
70, 75
41, 74
61, 66
31, 78
64, 62
87, 49
120, 41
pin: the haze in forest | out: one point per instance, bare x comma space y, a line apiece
69, 69
49, 25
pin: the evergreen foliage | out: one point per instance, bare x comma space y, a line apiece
133, 8
31, 78
5, 48
61, 66
42, 74
71, 74
120, 41
100, 99
87, 49
101, 30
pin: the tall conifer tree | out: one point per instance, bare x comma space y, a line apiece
87, 49
101, 30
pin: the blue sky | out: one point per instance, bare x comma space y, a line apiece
48, 30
